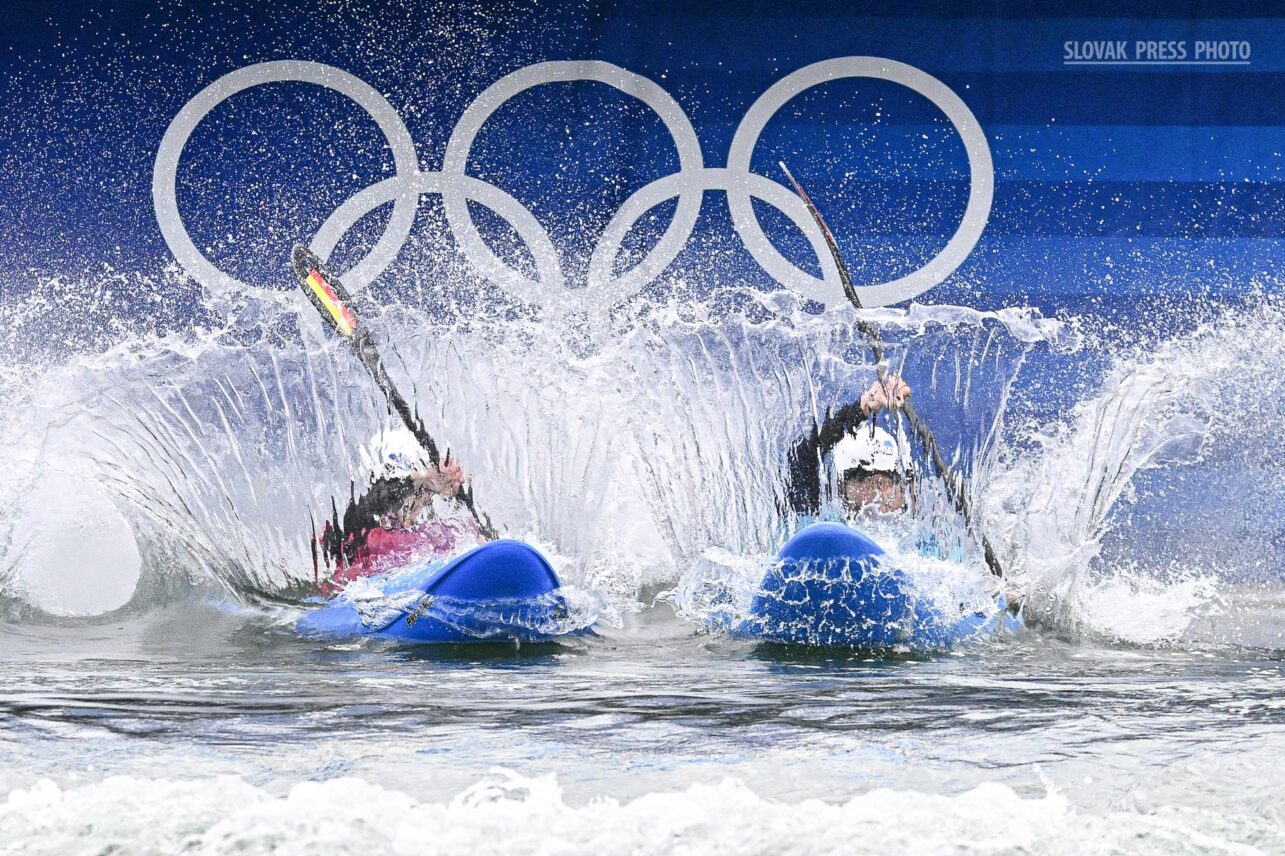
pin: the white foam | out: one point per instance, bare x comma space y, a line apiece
76, 553
510, 814
1143, 611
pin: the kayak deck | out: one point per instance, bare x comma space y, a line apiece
501, 590
830, 588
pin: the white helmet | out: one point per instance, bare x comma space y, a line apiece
393, 453
876, 452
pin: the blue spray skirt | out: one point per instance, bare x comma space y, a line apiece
829, 589
501, 591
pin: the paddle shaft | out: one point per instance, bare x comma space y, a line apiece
954, 481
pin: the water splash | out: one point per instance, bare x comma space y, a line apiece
229, 815
633, 448
628, 449
1154, 506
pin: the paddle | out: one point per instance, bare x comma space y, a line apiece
336, 309
954, 481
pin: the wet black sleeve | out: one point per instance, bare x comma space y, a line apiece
382, 498
803, 486
340, 540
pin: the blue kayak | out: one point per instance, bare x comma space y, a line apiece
501, 591
829, 588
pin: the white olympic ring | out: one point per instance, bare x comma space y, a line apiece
688, 185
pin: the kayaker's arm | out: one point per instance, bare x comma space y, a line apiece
400, 500
891, 392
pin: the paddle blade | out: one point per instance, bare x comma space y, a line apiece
325, 292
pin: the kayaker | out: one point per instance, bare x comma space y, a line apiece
871, 464
396, 516
876, 475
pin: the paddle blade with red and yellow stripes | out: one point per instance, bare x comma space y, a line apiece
325, 292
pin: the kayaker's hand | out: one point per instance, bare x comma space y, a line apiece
445, 479
1014, 598
892, 392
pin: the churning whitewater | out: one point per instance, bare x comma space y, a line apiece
179, 471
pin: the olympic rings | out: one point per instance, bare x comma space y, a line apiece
688, 185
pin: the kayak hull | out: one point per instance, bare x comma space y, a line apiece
501, 591
829, 588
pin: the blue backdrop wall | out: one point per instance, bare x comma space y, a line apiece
988, 154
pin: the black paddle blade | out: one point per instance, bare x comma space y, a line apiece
845, 278
326, 293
